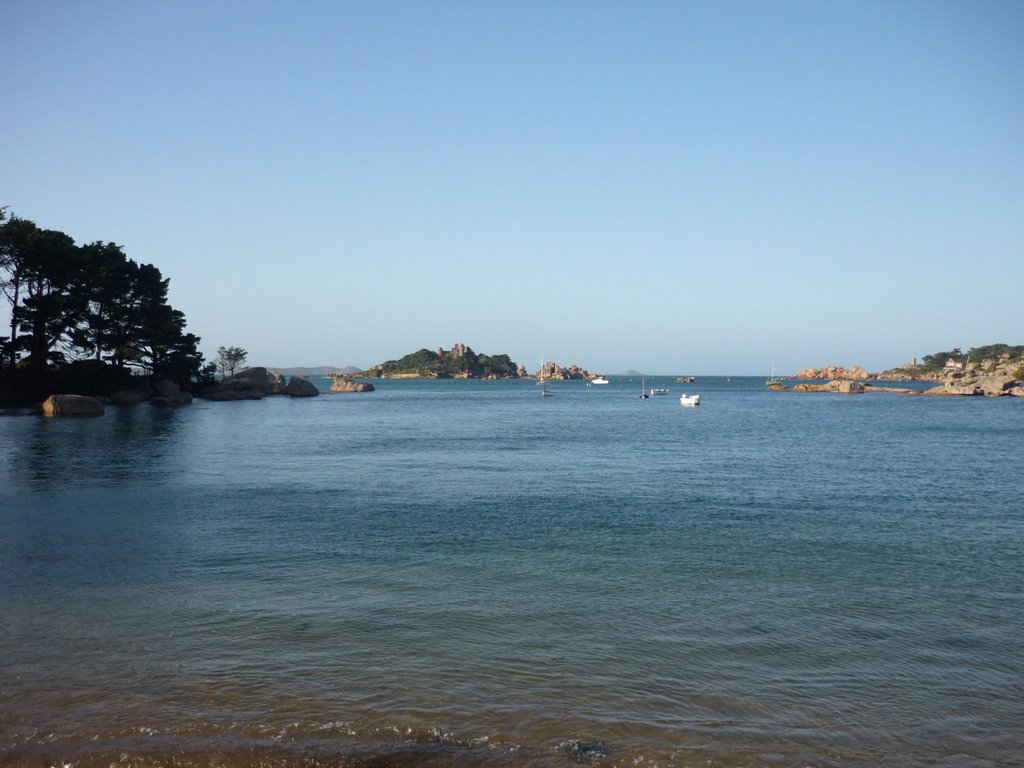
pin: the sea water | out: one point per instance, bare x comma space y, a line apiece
467, 573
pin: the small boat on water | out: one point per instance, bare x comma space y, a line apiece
685, 380
643, 389
658, 391
598, 380
685, 399
542, 383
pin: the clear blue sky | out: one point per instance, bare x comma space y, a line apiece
673, 187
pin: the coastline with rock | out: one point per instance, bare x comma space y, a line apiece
993, 371
997, 376
249, 384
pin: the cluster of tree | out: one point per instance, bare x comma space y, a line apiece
995, 352
937, 360
990, 352
228, 359
71, 302
427, 363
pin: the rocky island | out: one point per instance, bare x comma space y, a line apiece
461, 362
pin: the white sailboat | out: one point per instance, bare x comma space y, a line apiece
643, 389
544, 391
772, 381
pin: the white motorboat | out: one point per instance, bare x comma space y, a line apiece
685, 399
658, 391
599, 380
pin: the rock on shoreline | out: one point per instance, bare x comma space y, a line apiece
993, 377
835, 373
980, 386
345, 384
72, 405
556, 372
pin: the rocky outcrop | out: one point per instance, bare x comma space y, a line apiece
166, 392
805, 388
300, 386
996, 386
72, 405
130, 396
556, 372
350, 385
1001, 365
1000, 385
834, 373
250, 384
994, 376
842, 387
458, 350
955, 388
960, 386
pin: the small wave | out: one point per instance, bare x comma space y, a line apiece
582, 751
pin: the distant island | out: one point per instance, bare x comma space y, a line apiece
322, 370
461, 362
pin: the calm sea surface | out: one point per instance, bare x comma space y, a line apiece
466, 573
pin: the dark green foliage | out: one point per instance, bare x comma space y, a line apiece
89, 377
424, 363
501, 366
229, 358
938, 359
443, 366
72, 303
992, 352
995, 352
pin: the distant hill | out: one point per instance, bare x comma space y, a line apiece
323, 370
630, 372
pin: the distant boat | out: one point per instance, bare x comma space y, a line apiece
643, 389
598, 380
544, 391
772, 381
685, 399
685, 380
658, 391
